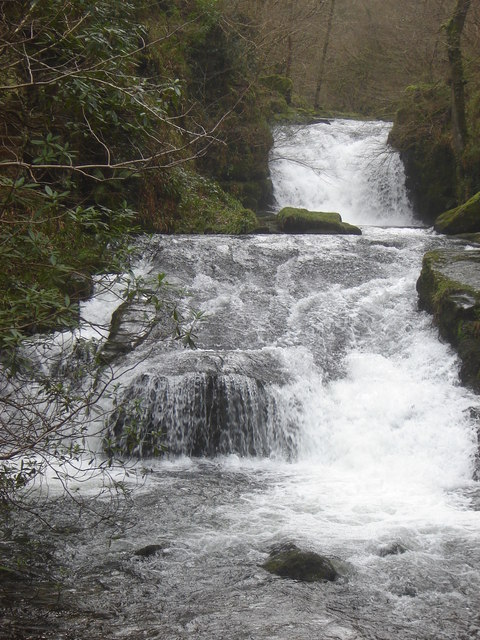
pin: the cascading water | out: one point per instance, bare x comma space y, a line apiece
342, 166
335, 421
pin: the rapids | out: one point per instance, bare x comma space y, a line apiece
356, 434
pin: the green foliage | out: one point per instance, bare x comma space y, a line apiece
280, 85
108, 112
205, 208
73, 108
421, 132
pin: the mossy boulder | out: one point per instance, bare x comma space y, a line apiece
462, 219
421, 133
292, 220
288, 561
449, 288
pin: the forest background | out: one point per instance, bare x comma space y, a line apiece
158, 114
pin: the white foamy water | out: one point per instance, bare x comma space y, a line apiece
362, 436
344, 166
377, 448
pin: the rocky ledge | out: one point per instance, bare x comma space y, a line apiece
462, 219
292, 220
449, 288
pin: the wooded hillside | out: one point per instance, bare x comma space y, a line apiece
156, 115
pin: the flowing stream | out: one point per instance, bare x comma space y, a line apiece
319, 408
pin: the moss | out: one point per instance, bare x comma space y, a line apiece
448, 289
462, 219
206, 208
421, 133
185, 202
293, 220
279, 84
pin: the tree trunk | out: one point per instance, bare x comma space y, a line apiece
321, 68
454, 28
288, 66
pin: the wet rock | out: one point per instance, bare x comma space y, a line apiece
149, 551
131, 324
393, 549
449, 288
288, 561
291, 220
474, 413
462, 219
203, 405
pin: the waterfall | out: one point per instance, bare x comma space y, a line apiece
319, 407
343, 166
311, 346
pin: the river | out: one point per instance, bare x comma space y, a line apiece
335, 421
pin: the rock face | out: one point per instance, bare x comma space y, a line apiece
449, 288
202, 405
131, 324
288, 561
291, 220
426, 150
462, 219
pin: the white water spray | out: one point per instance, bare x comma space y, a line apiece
343, 166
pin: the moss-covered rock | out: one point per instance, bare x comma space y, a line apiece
421, 133
462, 219
449, 288
199, 205
279, 84
292, 220
288, 561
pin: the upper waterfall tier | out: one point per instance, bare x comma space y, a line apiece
344, 166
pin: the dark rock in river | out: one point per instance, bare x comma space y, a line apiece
288, 561
291, 220
393, 549
149, 550
131, 324
449, 288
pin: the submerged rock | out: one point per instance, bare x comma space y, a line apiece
149, 550
288, 561
449, 288
291, 220
392, 549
